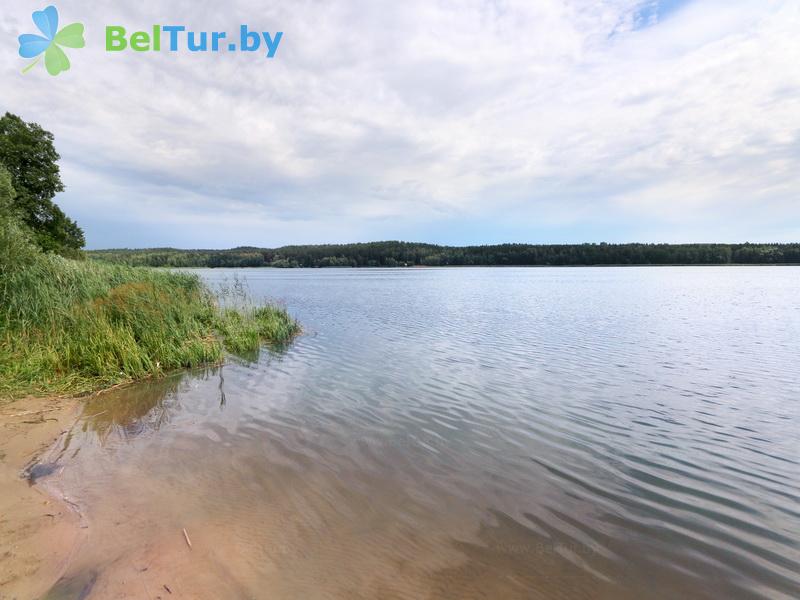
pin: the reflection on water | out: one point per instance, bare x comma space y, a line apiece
463, 433
135, 410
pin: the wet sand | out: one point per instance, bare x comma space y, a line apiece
39, 531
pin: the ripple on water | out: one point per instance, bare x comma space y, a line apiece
469, 433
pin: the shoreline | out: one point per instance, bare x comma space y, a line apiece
40, 531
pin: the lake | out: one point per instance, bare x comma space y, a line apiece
462, 433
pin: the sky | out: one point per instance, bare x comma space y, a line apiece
445, 121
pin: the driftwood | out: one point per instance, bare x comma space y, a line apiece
186, 537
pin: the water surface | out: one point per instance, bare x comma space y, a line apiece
463, 433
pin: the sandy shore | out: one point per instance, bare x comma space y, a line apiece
39, 532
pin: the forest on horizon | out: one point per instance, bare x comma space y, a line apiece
410, 254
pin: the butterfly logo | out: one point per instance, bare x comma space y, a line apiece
50, 42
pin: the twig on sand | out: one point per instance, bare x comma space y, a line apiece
169, 591
186, 537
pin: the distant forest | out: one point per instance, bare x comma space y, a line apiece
408, 254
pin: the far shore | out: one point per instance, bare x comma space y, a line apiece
396, 254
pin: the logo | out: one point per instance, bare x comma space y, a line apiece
193, 41
51, 42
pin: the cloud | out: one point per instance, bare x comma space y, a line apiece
455, 121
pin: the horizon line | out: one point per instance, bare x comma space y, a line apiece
484, 245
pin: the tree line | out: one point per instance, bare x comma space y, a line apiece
409, 254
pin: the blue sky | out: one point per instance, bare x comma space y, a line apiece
456, 121
652, 12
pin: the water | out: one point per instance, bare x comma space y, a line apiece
463, 433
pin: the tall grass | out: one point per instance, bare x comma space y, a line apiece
71, 327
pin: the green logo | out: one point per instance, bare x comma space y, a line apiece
50, 42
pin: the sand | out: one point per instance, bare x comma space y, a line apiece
39, 530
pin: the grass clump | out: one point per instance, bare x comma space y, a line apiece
243, 329
71, 327
241, 324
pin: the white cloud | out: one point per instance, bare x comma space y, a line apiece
566, 115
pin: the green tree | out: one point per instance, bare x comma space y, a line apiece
7, 195
28, 154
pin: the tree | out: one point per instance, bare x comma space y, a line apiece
8, 209
28, 154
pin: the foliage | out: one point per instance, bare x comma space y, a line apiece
8, 209
28, 155
405, 254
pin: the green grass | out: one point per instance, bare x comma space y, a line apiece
72, 327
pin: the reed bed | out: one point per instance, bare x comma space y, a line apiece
73, 327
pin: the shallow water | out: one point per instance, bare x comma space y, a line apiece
463, 433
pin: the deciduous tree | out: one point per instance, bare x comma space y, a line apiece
31, 160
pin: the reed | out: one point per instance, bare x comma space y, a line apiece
72, 327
